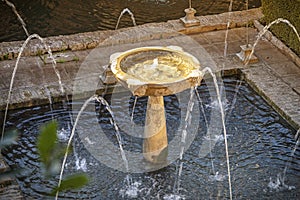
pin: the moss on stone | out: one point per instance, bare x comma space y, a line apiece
5, 57
60, 60
76, 59
274, 9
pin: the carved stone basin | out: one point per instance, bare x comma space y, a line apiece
156, 72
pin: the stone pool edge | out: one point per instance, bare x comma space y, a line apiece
90, 40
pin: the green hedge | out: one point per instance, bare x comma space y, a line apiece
287, 9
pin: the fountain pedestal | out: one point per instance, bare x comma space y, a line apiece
190, 19
155, 147
108, 77
156, 72
245, 55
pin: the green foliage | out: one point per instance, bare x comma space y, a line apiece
74, 181
5, 57
47, 140
44, 58
60, 61
49, 150
76, 59
274, 9
39, 52
51, 153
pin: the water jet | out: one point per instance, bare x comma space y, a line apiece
245, 53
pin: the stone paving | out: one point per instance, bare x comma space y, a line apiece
276, 77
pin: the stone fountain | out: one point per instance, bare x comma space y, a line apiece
156, 72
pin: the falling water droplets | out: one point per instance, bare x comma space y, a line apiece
126, 10
18, 16
131, 188
15, 71
82, 164
188, 119
278, 184
208, 70
265, 29
217, 177
227, 29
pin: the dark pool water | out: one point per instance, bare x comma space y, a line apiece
57, 17
260, 146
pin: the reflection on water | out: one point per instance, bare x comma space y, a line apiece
56, 17
260, 145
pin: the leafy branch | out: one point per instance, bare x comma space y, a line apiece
50, 154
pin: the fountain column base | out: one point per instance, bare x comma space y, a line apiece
155, 147
107, 77
244, 54
189, 19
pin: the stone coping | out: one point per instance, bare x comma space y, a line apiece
90, 40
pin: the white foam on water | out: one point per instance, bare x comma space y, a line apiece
131, 190
215, 104
63, 135
173, 197
81, 164
279, 185
88, 140
216, 138
217, 177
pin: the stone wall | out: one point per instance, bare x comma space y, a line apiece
287, 9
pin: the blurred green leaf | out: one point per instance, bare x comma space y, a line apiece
46, 142
9, 138
54, 165
50, 154
74, 181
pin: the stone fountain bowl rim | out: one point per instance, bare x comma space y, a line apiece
116, 58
